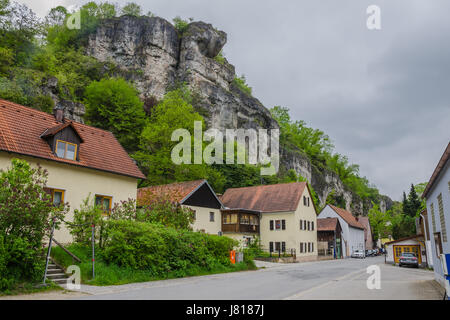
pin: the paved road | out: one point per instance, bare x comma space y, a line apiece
334, 279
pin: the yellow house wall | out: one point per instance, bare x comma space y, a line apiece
202, 220
78, 182
293, 236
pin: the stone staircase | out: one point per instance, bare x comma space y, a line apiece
56, 273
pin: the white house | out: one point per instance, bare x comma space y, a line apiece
414, 244
437, 195
352, 230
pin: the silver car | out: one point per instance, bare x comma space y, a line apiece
408, 259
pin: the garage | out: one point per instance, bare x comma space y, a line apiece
414, 244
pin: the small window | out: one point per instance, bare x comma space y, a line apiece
309, 225
308, 201
104, 202
312, 246
277, 224
277, 247
283, 224
56, 196
271, 224
304, 224
271, 246
283, 247
66, 150
312, 225
211, 216
304, 200
301, 225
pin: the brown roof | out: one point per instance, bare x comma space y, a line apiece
347, 216
406, 238
327, 224
176, 192
364, 221
437, 170
21, 129
265, 198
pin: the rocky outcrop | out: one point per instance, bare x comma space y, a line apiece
151, 53
72, 110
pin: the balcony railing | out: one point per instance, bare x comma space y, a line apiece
240, 228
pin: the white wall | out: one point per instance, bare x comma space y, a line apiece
441, 186
352, 238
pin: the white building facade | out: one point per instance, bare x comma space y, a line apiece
352, 231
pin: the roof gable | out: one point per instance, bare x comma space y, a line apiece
194, 193
265, 198
347, 217
21, 130
441, 165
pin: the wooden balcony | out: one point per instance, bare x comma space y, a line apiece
239, 228
240, 221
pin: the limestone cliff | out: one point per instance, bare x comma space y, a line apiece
152, 54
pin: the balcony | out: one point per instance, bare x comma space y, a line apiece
240, 221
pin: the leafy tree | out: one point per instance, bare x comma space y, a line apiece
379, 222
132, 9
156, 146
241, 83
26, 215
181, 24
114, 105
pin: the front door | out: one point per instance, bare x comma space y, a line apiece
398, 250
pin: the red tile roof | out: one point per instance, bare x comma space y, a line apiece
21, 129
437, 170
347, 216
327, 224
176, 192
265, 198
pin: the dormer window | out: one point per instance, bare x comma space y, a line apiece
66, 150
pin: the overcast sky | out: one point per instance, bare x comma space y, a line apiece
383, 96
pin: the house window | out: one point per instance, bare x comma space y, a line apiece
433, 219
312, 225
211, 216
309, 225
283, 246
308, 201
245, 219
270, 246
304, 201
230, 218
283, 224
254, 220
438, 243
195, 214
312, 246
442, 218
103, 202
66, 150
304, 224
301, 225
271, 224
301, 247
277, 224
277, 247
56, 196
309, 246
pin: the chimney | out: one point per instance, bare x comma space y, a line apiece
58, 112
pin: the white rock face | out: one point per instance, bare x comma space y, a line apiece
155, 57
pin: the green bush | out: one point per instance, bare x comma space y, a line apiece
25, 219
242, 85
162, 250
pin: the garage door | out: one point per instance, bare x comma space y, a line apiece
398, 250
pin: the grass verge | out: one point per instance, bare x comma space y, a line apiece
109, 274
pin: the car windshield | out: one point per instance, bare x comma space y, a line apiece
408, 254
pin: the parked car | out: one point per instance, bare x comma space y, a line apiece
358, 254
408, 259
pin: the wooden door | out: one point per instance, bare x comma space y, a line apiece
398, 250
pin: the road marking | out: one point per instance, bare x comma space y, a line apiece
298, 295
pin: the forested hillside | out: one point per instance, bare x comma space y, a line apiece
140, 94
